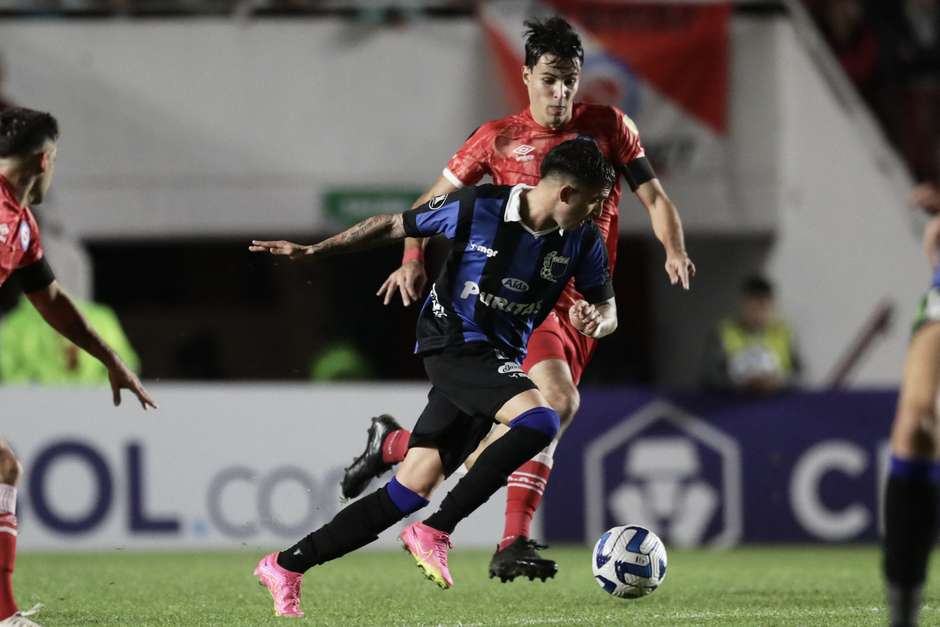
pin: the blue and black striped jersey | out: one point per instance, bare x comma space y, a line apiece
501, 278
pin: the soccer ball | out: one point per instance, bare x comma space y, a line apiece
629, 561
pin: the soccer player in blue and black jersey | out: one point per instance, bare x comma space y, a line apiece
513, 250
912, 493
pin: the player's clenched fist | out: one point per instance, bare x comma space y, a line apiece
585, 317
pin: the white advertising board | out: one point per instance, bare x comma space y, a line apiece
223, 466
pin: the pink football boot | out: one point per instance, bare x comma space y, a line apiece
283, 585
429, 548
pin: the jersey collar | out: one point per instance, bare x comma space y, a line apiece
512, 213
8, 193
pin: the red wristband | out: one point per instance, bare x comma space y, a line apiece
412, 254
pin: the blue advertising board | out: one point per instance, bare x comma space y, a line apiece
706, 470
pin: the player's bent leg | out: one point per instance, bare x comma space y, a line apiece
10, 472
532, 426
911, 492
517, 555
422, 471
554, 380
386, 445
355, 526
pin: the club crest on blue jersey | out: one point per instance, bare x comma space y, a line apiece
554, 266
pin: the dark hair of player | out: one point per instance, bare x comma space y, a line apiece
24, 131
553, 36
582, 160
757, 287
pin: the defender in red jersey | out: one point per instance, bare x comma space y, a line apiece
510, 151
27, 158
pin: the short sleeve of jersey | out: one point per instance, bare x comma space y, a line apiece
592, 276
628, 145
440, 215
471, 162
34, 246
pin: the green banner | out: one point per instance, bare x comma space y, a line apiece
346, 206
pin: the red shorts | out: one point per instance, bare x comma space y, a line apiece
555, 338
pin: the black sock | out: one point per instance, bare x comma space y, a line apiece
355, 526
910, 531
489, 474
904, 605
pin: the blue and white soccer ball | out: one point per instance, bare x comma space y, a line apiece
629, 561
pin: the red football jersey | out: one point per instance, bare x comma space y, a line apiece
19, 234
511, 150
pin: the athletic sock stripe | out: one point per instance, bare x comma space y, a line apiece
526, 486
523, 486
520, 473
523, 481
524, 477
8, 530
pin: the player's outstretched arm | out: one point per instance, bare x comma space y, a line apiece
366, 234
668, 229
594, 321
411, 278
60, 312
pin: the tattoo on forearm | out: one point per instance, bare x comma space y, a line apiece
365, 234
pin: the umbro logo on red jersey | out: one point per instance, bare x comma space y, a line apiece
522, 152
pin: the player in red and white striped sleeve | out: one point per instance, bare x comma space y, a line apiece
510, 151
27, 159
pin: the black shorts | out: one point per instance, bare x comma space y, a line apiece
470, 383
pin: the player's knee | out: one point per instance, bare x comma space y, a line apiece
405, 499
10, 468
542, 419
565, 400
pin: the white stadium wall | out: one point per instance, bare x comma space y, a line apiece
217, 127
845, 239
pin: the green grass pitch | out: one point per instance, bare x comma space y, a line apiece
753, 586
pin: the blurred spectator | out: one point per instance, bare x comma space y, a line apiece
891, 52
753, 353
340, 361
910, 40
32, 352
845, 25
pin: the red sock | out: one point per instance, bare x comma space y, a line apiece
7, 560
526, 487
395, 446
